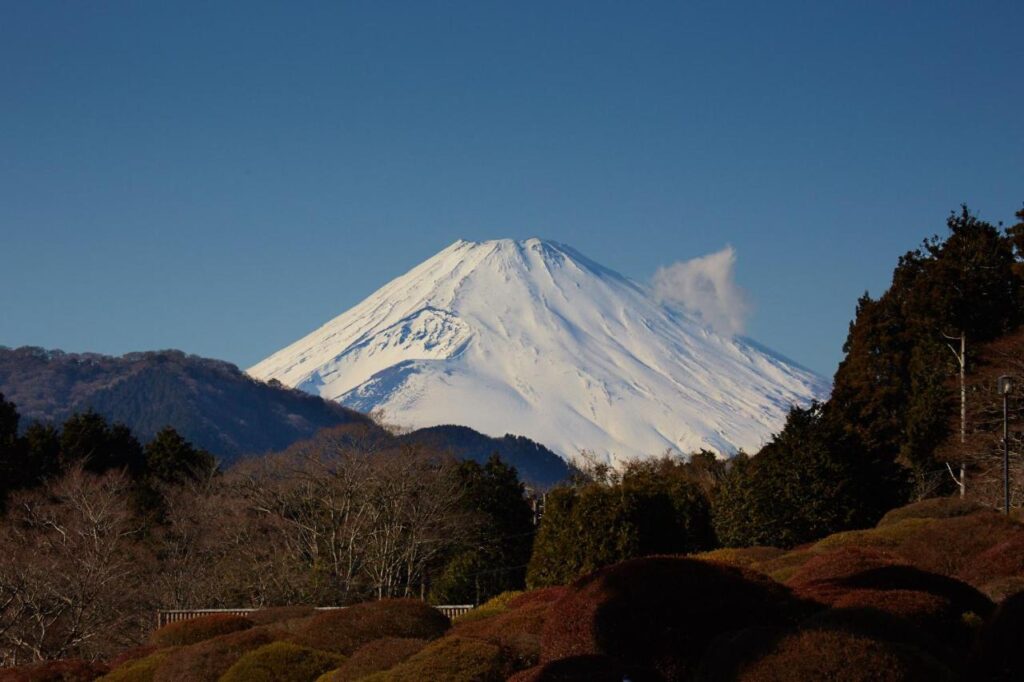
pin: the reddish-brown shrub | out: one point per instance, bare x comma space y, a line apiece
932, 508
68, 670
999, 589
345, 630
517, 631
924, 610
660, 613
453, 659
782, 567
278, 614
545, 595
830, 577
1005, 559
195, 630
950, 546
210, 659
1001, 643
583, 669
132, 654
843, 657
377, 656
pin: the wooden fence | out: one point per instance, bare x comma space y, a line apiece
175, 615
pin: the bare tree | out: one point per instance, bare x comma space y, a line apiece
71, 570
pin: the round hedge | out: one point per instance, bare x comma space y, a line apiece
453, 659
210, 659
830, 577
377, 656
583, 669
67, 670
343, 631
195, 630
281, 662
139, 669
279, 614
661, 613
843, 657
1001, 643
931, 508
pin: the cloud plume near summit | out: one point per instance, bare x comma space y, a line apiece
706, 287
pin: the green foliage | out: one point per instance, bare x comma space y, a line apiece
138, 670
891, 391
281, 662
88, 438
809, 481
199, 629
172, 459
494, 558
655, 507
931, 508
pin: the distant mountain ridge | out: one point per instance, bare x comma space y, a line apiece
535, 338
219, 408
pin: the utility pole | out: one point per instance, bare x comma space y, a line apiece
961, 359
1004, 388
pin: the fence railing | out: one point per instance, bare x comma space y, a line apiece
175, 615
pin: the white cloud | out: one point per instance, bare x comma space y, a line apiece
706, 287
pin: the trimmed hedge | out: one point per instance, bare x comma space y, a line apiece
278, 614
661, 613
932, 508
343, 631
281, 662
377, 656
210, 659
140, 669
745, 557
453, 659
185, 632
843, 657
68, 670
1001, 643
583, 669
831, 577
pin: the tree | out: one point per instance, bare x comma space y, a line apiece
811, 480
890, 390
171, 459
71, 573
497, 550
88, 439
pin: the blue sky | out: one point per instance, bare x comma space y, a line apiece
224, 177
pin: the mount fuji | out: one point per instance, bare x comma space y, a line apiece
533, 338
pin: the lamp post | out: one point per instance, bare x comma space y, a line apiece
1004, 388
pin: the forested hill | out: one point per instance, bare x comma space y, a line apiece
219, 408
211, 403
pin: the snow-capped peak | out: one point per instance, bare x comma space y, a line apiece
533, 338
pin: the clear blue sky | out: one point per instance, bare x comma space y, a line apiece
224, 177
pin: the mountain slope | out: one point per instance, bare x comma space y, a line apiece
211, 403
532, 337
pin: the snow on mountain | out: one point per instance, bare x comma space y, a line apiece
533, 338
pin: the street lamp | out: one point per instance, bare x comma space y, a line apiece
1005, 385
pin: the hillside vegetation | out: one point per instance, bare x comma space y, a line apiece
922, 596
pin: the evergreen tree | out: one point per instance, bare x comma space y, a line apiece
170, 459
811, 480
87, 438
494, 560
